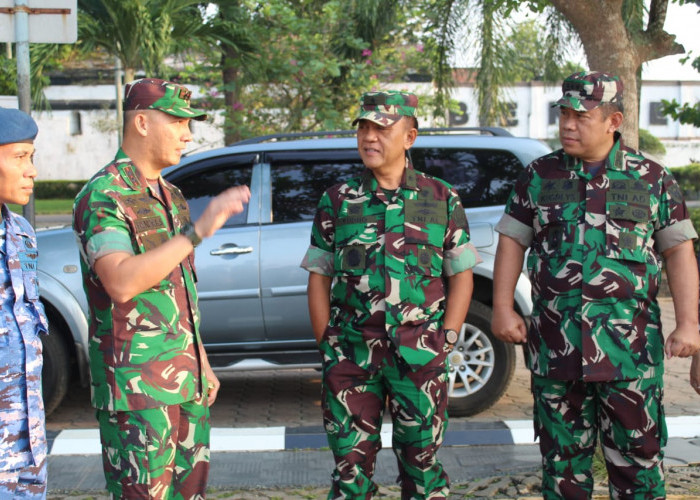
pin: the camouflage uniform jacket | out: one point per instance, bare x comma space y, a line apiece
143, 352
389, 257
21, 404
594, 262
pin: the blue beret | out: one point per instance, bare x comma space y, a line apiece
16, 126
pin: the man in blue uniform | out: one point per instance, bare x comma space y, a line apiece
22, 319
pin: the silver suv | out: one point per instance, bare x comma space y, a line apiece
251, 288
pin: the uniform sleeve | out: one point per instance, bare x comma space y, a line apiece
517, 221
674, 225
319, 256
460, 254
101, 227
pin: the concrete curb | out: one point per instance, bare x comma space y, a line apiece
509, 432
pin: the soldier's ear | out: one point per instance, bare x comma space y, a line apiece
141, 124
411, 135
615, 121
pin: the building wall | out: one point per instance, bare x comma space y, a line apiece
534, 117
79, 135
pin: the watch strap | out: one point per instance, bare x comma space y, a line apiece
189, 232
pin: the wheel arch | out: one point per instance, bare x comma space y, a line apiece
64, 310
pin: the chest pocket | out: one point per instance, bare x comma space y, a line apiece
557, 218
28, 258
151, 232
28, 262
628, 222
425, 225
357, 245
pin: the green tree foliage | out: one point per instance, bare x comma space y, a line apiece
275, 66
685, 113
617, 37
42, 59
484, 27
8, 76
649, 143
695, 219
307, 61
688, 178
534, 55
140, 33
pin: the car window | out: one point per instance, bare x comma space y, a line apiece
300, 178
482, 177
203, 181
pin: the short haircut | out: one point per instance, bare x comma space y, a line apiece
414, 121
611, 107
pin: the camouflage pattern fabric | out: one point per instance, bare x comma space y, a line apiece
353, 408
22, 319
389, 257
586, 90
168, 97
26, 483
628, 415
594, 262
158, 453
389, 253
386, 107
143, 352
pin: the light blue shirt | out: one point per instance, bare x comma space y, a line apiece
22, 319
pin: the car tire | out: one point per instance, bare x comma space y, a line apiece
55, 374
480, 366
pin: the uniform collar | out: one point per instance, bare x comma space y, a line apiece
11, 223
128, 171
614, 161
408, 179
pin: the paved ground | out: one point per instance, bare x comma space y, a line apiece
291, 399
683, 483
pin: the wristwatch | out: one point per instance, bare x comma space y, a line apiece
189, 232
451, 336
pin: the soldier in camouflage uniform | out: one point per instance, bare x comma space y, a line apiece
597, 216
384, 246
23, 444
152, 384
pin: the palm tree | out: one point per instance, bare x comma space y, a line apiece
614, 35
140, 33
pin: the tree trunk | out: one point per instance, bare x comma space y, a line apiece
611, 47
129, 74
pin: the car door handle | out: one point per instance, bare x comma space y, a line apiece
231, 249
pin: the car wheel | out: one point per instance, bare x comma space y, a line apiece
55, 374
480, 366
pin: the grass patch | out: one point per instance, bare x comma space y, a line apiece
47, 207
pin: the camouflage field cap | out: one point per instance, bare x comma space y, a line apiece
168, 97
386, 107
586, 90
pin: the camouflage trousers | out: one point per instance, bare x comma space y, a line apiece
27, 482
629, 417
157, 453
354, 400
